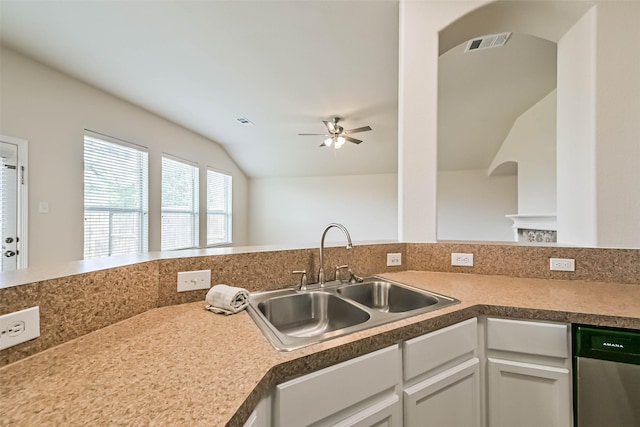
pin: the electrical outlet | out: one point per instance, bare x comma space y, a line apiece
394, 260
194, 280
19, 326
465, 260
562, 264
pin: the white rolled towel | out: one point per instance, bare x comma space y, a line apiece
226, 299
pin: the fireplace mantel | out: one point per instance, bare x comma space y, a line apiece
544, 227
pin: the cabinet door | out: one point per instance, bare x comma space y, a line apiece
253, 420
318, 398
386, 413
260, 416
528, 395
451, 398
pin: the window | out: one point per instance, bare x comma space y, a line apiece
218, 208
180, 225
115, 197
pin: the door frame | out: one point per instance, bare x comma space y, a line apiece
23, 199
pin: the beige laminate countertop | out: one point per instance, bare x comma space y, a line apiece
182, 365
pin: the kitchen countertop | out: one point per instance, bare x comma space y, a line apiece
182, 365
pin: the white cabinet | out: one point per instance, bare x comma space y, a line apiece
385, 413
361, 392
528, 372
260, 417
521, 377
442, 378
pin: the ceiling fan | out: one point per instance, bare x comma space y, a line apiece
337, 135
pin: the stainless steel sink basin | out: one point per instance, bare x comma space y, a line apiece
310, 314
387, 297
292, 319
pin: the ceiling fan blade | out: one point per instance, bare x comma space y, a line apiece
330, 126
313, 134
348, 138
362, 129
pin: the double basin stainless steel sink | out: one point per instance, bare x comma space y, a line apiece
292, 319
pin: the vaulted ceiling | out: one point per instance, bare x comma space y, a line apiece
286, 66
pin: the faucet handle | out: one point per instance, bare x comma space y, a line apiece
303, 278
353, 278
338, 275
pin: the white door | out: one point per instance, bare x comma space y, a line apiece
12, 197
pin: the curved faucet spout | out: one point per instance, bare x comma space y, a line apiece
324, 233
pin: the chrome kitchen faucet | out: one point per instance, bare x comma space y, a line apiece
321, 280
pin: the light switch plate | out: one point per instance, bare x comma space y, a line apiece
19, 326
194, 280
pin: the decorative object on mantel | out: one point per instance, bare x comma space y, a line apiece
537, 236
534, 228
224, 299
337, 134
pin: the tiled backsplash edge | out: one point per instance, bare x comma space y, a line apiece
76, 305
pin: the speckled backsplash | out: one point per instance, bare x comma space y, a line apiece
270, 270
76, 305
598, 265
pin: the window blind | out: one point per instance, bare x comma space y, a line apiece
180, 206
218, 208
115, 198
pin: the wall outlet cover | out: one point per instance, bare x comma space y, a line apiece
394, 260
562, 264
465, 260
19, 326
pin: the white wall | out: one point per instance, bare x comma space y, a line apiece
618, 124
420, 22
296, 210
472, 205
51, 111
617, 115
531, 143
577, 222
599, 128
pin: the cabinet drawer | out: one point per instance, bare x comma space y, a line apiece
313, 397
386, 413
544, 339
422, 354
450, 398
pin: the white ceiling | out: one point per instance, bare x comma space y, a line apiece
284, 65
288, 65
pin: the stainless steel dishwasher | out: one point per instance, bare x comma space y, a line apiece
606, 376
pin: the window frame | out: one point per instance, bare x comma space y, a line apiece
143, 190
226, 213
195, 202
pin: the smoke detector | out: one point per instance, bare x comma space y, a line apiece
487, 42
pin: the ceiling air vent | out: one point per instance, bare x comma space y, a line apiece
244, 121
487, 42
